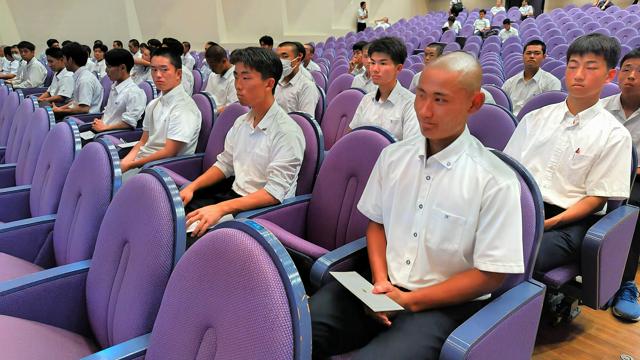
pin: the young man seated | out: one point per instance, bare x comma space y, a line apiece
626, 108
438, 253
171, 122
12, 63
452, 24
356, 66
507, 30
142, 73
127, 101
263, 150
61, 87
87, 90
99, 66
482, 25
205, 69
32, 74
431, 52
187, 59
309, 64
266, 42
578, 153
391, 106
187, 76
499, 7
526, 10
221, 81
532, 80
294, 92
117, 44
363, 81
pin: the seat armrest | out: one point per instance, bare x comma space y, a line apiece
14, 203
7, 175
291, 214
187, 166
126, 135
34, 91
130, 349
285, 206
26, 238
605, 249
347, 257
54, 296
505, 328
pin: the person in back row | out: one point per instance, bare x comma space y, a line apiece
532, 80
431, 52
507, 30
452, 24
100, 66
356, 66
221, 81
61, 87
391, 106
187, 76
363, 81
12, 62
141, 73
263, 151
117, 44
625, 106
295, 92
187, 59
172, 121
266, 42
577, 152
309, 64
32, 73
482, 25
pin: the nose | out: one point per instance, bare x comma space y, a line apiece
424, 108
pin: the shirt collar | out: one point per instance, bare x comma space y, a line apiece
293, 80
582, 117
123, 85
173, 95
535, 77
394, 97
268, 118
229, 73
448, 156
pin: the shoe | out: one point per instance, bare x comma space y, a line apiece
625, 303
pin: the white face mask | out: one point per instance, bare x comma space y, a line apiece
17, 57
286, 67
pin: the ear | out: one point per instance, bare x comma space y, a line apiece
271, 83
476, 102
611, 74
399, 67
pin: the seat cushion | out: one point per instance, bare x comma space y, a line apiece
25, 339
561, 275
293, 242
12, 267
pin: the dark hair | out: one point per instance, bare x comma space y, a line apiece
451, 18
7, 51
50, 42
266, 40
211, 43
117, 57
144, 46
633, 54
261, 60
313, 48
301, 49
134, 42
506, 21
170, 54
293, 45
74, 51
216, 53
482, 11
66, 42
26, 45
154, 43
55, 53
438, 46
97, 42
173, 45
391, 46
102, 47
597, 44
362, 3
187, 44
86, 49
358, 46
535, 42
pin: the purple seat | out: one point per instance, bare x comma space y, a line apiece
416, 68
19, 126
184, 169
632, 43
321, 106
197, 81
493, 125
405, 76
491, 79
336, 71
551, 64
106, 90
320, 79
517, 68
313, 152
499, 96
615, 27
93, 179
559, 52
150, 90
541, 100
559, 71
338, 116
49, 78
207, 106
112, 298
450, 47
609, 89
317, 226
338, 85
11, 104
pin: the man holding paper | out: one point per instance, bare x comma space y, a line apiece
444, 232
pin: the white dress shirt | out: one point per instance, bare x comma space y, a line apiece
171, 116
525, 10
456, 27
100, 68
187, 80
87, 90
481, 24
434, 232
313, 66
222, 88
303, 70
126, 103
4, 64
142, 75
358, 70
364, 82
521, 91
268, 156
362, 12
62, 84
12, 67
137, 67
33, 75
495, 9
299, 94
632, 123
504, 34
395, 115
571, 157
205, 70
188, 61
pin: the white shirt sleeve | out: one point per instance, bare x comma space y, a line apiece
33, 78
286, 159
183, 122
134, 108
85, 93
224, 161
518, 139
65, 87
410, 126
611, 172
308, 98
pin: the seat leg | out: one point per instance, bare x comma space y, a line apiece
561, 308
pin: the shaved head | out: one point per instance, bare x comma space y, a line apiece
468, 69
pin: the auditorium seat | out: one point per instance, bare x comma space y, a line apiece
338, 116
501, 98
9, 108
541, 100
493, 125
338, 85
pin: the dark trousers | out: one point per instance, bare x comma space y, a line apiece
361, 26
561, 245
339, 324
631, 268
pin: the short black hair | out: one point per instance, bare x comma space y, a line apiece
154, 43
169, 54
597, 44
535, 42
261, 60
187, 44
482, 11
7, 51
293, 45
391, 46
451, 18
102, 47
266, 40
87, 49
211, 43
134, 42
313, 48
438, 46
358, 45
216, 53
50, 42
118, 42
74, 51
97, 42
117, 57
506, 21
301, 49
633, 54
66, 42
362, 3
26, 45
55, 53
173, 45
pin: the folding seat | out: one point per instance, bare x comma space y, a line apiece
198, 82
448, 37
405, 76
559, 71
606, 20
634, 9
4, 93
515, 69
551, 63
320, 79
609, 89
493, 125
590, 27
625, 34
450, 47
336, 71
106, 90
30, 246
573, 34
499, 96
16, 126
632, 43
630, 19
512, 48
9, 108
416, 68
340, 112
320, 226
339, 84
612, 9
207, 106
541, 100
491, 79
107, 300
615, 26
321, 105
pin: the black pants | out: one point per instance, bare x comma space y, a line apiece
361, 26
634, 252
561, 245
339, 324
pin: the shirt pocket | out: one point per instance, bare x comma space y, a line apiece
578, 168
445, 231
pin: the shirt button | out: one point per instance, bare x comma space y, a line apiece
408, 262
415, 234
448, 163
420, 206
428, 178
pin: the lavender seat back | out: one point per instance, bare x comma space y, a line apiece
49, 78
340, 84
197, 80
21, 120
493, 125
56, 156
92, 181
223, 318
405, 76
333, 219
609, 89
313, 152
131, 264
219, 131
491, 79
499, 96
541, 100
320, 79
150, 90
337, 70
39, 124
207, 106
4, 93
321, 106
338, 116
106, 90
